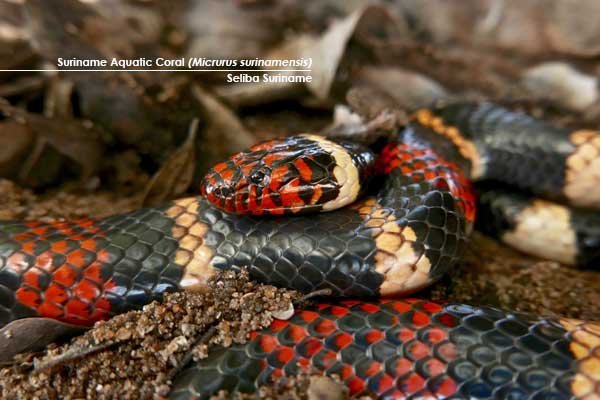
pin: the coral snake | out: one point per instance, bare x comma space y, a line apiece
392, 224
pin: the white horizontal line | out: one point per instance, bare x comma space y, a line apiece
155, 70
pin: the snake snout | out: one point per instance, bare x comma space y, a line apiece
217, 190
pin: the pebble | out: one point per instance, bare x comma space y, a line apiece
284, 314
325, 388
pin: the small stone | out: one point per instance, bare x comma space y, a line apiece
187, 329
174, 346
123, 334
324, 388
284, 314
227, 341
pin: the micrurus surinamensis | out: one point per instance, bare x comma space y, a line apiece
410, 211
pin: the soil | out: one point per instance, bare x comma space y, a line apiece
135, 355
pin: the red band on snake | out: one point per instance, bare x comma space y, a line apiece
402, 232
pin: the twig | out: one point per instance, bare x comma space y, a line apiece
23, 85
316, 293
189, 355
70, 355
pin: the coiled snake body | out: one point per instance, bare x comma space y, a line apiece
406, 231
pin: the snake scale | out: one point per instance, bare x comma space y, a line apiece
411, 208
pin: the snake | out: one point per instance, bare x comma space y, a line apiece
369, 224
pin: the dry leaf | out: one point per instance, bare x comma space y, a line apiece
352, 126
528, 27
224, 135
71, 28
15, 51
369, 102
54, 139
254, 93
224, 29
176, 174
326, 51
32, 334
15, 141
57, 102
118, 101
409, 90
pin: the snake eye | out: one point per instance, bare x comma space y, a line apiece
223, 191
258, 177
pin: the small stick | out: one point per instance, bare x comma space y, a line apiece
189, 355
316, 293
70, 355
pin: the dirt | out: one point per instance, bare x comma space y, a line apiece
134, 355
494, 274
67, 202
303, 386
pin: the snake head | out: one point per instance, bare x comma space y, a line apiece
297, 174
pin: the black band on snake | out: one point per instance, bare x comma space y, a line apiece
402, 231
